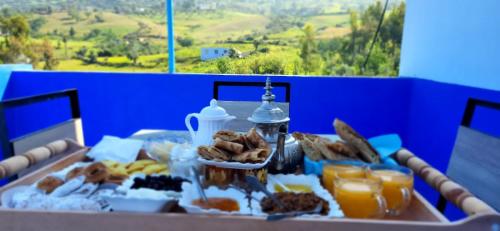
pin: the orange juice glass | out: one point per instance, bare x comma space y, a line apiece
397, 186
346, 169
360, 197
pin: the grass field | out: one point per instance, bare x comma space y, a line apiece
119, 24
206, 28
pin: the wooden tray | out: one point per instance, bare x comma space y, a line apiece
420, 215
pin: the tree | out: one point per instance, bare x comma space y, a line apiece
72, 32
185, 41
15, 47
47, 55
256, 44
81, 53
223, 65
308, 50
92, 58
65, 41
36, 24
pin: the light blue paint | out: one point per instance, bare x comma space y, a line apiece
171, 36
5, 70
452, 41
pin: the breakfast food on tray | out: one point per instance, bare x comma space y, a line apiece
352, 147
233, 147
146, 166
96, 173
49, 184
74, 173
294, 202
349, 135
161, 183
223, 204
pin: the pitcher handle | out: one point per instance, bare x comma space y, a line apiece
188, 124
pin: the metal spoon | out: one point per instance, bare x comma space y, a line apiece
196, 176
279, 216
257, 186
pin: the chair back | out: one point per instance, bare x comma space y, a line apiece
244, 109
67, 130
475, 164
475, 160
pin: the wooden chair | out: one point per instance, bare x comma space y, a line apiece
67, 130
244, 109
475, 160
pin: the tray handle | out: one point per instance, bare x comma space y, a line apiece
452, 191
13, 165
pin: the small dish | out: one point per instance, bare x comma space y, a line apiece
190, 193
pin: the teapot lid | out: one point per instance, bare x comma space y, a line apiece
213, 111
268, 111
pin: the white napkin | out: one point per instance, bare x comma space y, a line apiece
116, 149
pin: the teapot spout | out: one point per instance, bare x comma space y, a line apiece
280, 149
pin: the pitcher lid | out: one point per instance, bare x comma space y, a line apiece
213, 111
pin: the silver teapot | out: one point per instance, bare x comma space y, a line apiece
272, 124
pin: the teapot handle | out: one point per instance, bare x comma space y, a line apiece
188, 124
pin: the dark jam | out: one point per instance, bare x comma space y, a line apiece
224, 204
161, 183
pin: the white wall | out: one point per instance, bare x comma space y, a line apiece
453, 41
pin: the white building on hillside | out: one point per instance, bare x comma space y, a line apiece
214, 53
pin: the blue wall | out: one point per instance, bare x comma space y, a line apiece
425, 113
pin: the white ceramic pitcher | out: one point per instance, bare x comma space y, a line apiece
210, 120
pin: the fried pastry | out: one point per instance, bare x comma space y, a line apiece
307, 144
349, 135
328, 151
95, 173
252, 156
228, 146
49, 184
74, 173
213, 153
226, 135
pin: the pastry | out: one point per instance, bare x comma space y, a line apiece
331, 151
350, 136
257, 155
74, 173
213, 153
228, 146
49, 184
307, 144
95, 173
225, 135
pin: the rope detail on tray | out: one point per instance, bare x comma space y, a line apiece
17, 163
452, 191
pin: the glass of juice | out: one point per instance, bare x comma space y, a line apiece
397, 186
346, 169
360, 197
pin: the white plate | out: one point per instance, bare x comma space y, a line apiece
309, 180
236, 165
190, 193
